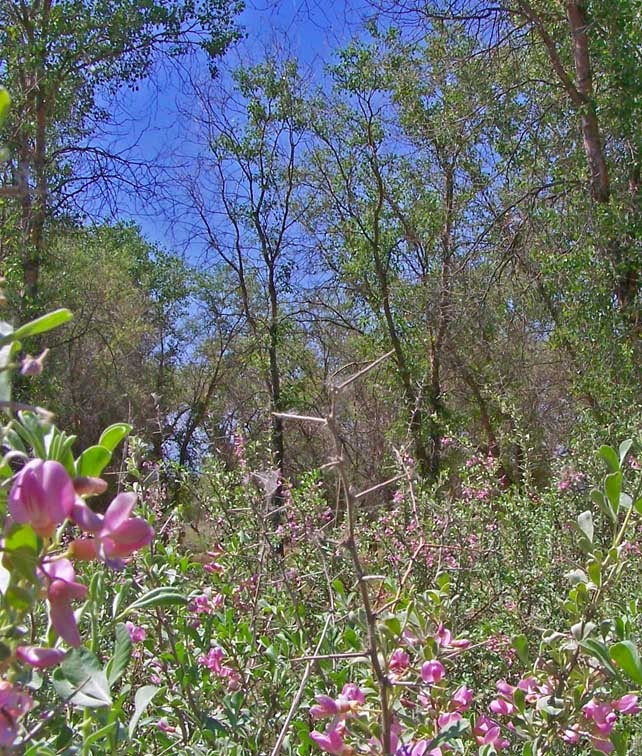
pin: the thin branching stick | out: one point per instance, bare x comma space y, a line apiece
297, 698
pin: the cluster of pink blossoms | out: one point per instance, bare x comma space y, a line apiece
14, 704
352, 698
340, 708
570, 480
600, 716
214, 662
44, 496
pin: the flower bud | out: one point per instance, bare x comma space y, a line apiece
33, 365
89, 486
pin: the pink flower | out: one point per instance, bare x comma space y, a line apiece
14, 703
326, 707
353, 694
571, 734
89, 486
136, 633
213, 660
201, 604
164, 726
331, 741
42, 495
502, 706
487, 732
399, 661
461, 699
214, 567
118, 535
627, 704
39, 657
602, 716
33, 365
62, 589
348, 701
432, 672
444, 638
409, 638
605, 746
531, 687
450, 717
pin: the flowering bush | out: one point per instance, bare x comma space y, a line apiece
498, 624
45, 602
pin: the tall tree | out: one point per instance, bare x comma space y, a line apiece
243, 195
61, 63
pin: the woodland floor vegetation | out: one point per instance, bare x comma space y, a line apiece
350, 463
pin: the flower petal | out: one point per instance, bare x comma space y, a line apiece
40, 657
64, 622
85, 517
119, 510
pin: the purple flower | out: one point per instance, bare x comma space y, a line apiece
42, 495
462, 698
331, 742
399, 661
62, 589
487, 732
136, 633
39, 657
627, 704
118, 535
325, 707
432, 672
14, 703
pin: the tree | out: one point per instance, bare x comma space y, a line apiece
243, 195
119, 356
62, 62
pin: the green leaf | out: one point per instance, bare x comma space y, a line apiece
121, 594
81, 680
595, 571
22, 551
449, 733
551, 705
32, 431
163, 596
585, 525
625, 655
575, 577
625, 446
5, 373
40, 325
604, 504
93, 461
142, 699
626, 502
599, 651
613, 488
610, 457
5, 578
112, 436
520, 644
98, 735
5, 101
122, 654
19, 598
22, 536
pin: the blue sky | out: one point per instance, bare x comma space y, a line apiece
151, 121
